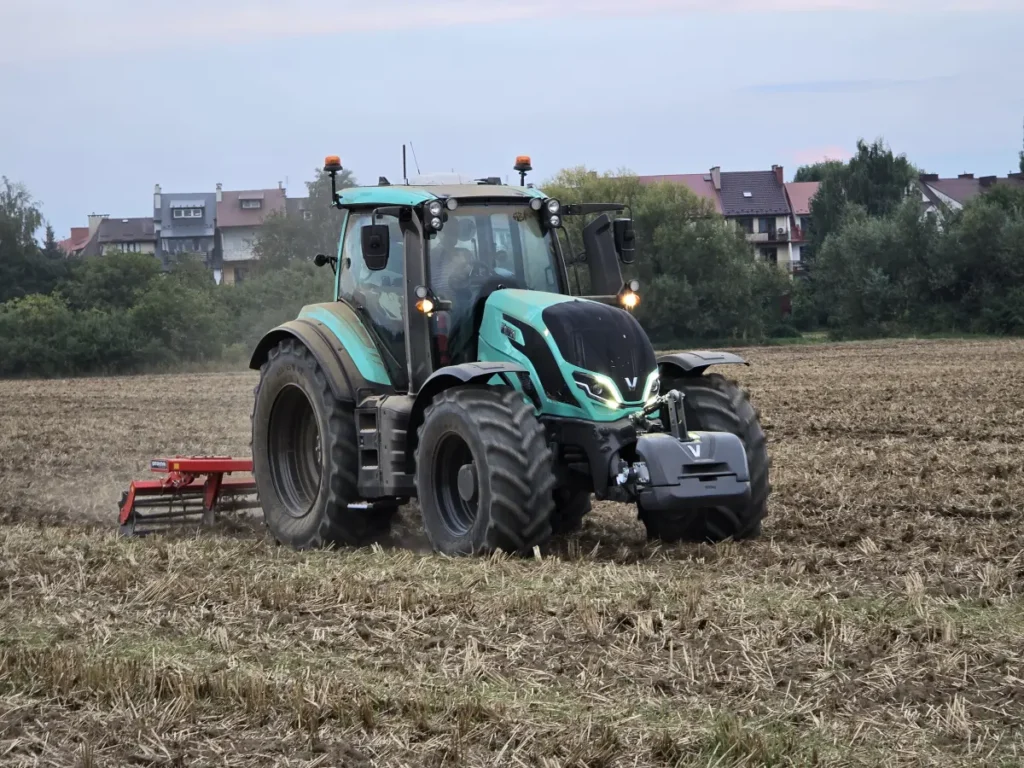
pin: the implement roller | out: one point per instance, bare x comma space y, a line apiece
192, 487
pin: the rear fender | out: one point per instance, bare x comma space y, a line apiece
454, 376
695, 363
347, 382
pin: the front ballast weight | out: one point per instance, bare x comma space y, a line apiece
678, 469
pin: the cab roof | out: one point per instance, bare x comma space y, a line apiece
400, 194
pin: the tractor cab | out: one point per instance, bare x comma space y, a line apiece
442, 246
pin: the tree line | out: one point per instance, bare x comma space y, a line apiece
876, 266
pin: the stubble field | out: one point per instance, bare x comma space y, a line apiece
879, 620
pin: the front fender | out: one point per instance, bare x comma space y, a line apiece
453, 376
695, 363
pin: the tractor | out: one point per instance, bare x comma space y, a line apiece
455, 367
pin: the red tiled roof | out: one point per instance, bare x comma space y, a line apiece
800, 194
78, 240
230, 212
699, 183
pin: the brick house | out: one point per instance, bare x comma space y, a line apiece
240, 215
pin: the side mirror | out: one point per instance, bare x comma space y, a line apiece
376, 246
625, 240
599, 245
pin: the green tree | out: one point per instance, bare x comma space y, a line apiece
24, 268
699, 277
874, 179
285, 238
110, 281
817, 171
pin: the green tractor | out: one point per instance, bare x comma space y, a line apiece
455, 367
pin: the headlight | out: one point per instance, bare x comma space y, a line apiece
536, 203
599, 388
555, 221
652, 388
451, 204
435, 223
554, 206
434, 208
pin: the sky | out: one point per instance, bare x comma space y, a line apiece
105, 98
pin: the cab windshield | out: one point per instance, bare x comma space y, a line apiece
481, 242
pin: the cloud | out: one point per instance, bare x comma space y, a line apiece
72, 28
842, 86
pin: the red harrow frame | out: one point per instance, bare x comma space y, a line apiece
191, 486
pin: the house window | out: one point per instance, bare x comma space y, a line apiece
770, 254
765, 225
188, 213
805, 223
746, 224
252, 203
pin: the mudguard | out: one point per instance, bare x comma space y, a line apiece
354, 370
452, 376
695, 363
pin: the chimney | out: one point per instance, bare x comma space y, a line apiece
779, 175
966, 176
156, 197
94, 222
929, 177
220, 192
716, 177
987, 181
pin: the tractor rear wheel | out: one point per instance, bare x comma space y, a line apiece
483, 473
713, 403
305, 456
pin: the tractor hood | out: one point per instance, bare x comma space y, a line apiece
580, 349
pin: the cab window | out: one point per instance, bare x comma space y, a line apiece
381, 294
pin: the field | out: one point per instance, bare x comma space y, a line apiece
879, 620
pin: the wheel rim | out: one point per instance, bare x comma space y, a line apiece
295, 451
456, 485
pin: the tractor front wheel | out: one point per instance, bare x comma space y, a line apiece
713, 403
305, 457
483, 473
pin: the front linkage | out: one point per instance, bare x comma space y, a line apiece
677, 469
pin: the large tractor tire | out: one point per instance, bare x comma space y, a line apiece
305, 456
483, 473
713, 403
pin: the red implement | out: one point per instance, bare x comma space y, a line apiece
191, 486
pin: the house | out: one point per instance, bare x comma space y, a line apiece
185, 223
76, 243
133, 235
239, 218
799, 194
754, 201
941, 196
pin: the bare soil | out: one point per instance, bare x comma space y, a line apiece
878, 621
